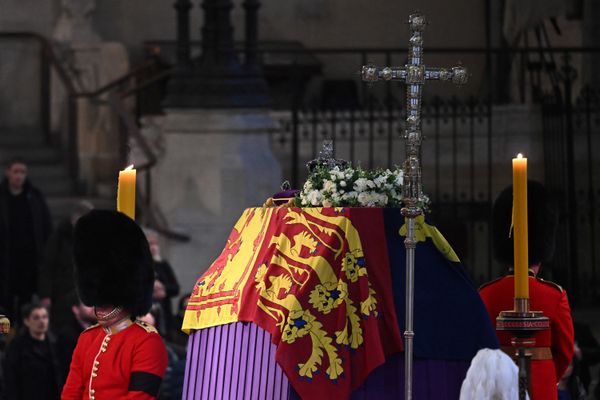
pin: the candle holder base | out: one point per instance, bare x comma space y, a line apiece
523, 324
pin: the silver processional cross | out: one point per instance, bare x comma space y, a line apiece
414, 74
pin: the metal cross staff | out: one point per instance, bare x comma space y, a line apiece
414, 74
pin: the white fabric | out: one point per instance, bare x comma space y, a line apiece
492, 376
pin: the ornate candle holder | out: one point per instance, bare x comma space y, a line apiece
4, 325
523, 324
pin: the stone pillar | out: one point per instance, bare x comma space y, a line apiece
217, 162
591, 38
92, 64
217, 79
218, 158
251, 27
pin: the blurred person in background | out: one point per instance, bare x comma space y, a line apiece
31, 366
81, 317
25, 225
2, 349
180, 338
587, 353
165, 287
56, 286
570, 386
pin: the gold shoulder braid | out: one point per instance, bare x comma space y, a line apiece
550, 283
147, 327
91, 327
490, 282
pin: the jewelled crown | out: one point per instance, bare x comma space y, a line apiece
326, 158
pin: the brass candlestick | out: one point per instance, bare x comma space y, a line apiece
523, 324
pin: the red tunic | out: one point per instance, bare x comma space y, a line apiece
129, 364
552, 300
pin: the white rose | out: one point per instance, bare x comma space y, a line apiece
329, 186
327, 203
360, 185
383, 199
379, 181
364, 198
314, 197
343, 183
399, 177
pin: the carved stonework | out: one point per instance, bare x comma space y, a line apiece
91, 64
75, 22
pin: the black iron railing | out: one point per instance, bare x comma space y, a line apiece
572, 137
49, 63
462, 170
139, 78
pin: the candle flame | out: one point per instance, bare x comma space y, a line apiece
519, 155
129, 168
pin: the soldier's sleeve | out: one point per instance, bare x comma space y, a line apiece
562, 337
74, 387
148, 369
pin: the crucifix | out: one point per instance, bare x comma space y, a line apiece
414, 74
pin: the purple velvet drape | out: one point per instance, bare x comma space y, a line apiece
237, 361
233, 361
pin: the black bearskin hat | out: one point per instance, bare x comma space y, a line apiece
113, 264
542, 221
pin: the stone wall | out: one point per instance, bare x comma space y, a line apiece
19, 60
20, 84
315, 23
29, 15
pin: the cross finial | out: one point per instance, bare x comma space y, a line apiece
414, 74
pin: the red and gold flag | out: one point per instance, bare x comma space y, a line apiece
321, 288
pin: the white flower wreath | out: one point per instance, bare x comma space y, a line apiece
353, 187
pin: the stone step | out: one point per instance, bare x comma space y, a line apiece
62, 206
31, 154
20, 137
46, 168
41, 172
54, 187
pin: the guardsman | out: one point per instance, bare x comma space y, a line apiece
554, 347
121, 357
